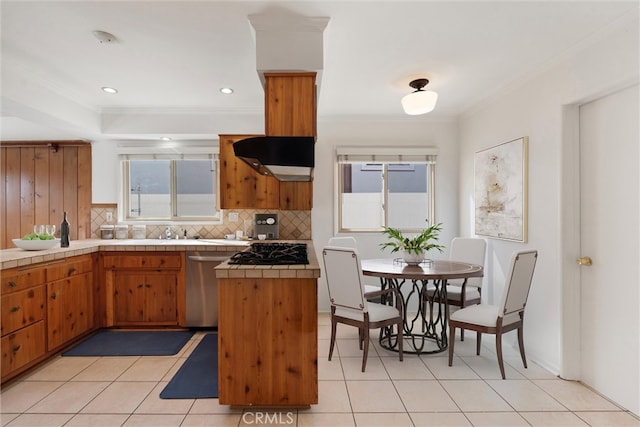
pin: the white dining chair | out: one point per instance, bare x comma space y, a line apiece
348, 303
350, 242
463, 292
508, 316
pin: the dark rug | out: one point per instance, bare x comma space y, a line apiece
197, 378
132, 343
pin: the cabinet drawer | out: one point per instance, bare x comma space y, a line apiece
23, 308
14, 280
22, 347
143, 261
73, 267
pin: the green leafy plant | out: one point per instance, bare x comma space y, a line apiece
418, 244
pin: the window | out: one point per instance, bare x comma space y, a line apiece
377, 188
164, 188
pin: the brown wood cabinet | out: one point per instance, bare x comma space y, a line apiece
145, 288
290, 110
268, 342
241, 187
23, 318
290, 104
39, 181
45, 307
69, 300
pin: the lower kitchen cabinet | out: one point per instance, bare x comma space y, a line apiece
145, 298
145, 289
268, 342
69, 309
44, 307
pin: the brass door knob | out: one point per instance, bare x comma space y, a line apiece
585, 260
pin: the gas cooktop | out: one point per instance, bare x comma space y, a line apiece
272, 254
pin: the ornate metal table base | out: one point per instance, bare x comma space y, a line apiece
424, 327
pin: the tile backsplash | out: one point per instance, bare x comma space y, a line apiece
294, 225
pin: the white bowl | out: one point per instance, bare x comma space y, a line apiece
36, 245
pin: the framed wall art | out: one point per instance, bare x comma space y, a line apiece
501, 191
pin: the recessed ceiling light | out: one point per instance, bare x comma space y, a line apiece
165, 138
226, 90
109, 89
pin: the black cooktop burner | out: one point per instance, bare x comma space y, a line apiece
272, 254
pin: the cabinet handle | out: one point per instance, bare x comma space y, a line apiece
53, 295
14, 309
71, 271
12, 284
16, 348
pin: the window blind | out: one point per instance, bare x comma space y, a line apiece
387, 154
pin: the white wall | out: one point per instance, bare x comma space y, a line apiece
534, 108
409, 131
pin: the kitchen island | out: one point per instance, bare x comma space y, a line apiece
268, 334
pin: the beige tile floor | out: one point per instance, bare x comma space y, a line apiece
420, 391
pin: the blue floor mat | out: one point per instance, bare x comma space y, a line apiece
197, 378
132, 343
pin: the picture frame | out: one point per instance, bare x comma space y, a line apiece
500, 190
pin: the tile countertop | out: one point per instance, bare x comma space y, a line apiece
15, 257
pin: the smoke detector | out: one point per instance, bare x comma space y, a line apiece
104, 37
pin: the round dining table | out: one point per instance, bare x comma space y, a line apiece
425, 329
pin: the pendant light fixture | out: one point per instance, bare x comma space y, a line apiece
420, 101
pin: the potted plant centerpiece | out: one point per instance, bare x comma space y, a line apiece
413, 248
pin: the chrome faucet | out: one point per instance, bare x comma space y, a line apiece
167, 232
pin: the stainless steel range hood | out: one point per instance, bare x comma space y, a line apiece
287, 158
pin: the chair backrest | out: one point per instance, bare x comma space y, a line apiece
345, 242
343, 274
471, 250
518, 282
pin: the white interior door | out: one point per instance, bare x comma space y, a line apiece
609, 235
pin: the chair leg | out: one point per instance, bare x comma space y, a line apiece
461, 335
521, 344
360, 337
333, 337
365, 352
452, 333
478, 343
499, 353
400, 340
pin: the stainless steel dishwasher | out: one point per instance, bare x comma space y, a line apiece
202, 288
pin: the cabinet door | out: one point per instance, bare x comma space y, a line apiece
241, 187
129, 297
160, 298
20, 309
69, 309
22, 347
146, 298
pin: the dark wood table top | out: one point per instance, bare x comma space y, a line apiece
428, 270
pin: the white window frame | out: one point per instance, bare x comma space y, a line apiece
386, 156
199, 150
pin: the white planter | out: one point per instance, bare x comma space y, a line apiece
412, 258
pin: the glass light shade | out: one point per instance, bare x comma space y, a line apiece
419, 102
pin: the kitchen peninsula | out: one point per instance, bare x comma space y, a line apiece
268, 354
268, 313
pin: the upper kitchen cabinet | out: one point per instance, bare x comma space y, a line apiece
240, 186
41, 180
290, 104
